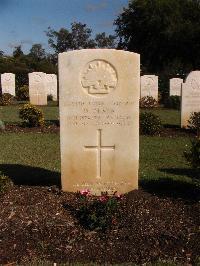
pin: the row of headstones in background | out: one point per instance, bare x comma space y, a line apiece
149, 86
175, 86
46, 84
38, 82
190, 97
189, 92
8, 83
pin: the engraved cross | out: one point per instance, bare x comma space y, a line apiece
37, 95
99, 147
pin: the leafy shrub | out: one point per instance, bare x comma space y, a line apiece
31, 115
173, 102
193, 155
194, 122
2, 126
4, 183
6, 99
150, 124
148, 102
23, 93
98, 213
49, 97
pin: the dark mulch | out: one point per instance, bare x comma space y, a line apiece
176, 131
38, 222
167, 130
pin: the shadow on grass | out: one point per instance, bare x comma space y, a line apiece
30, 176
172, 126
167, 187
55, 122
192, 173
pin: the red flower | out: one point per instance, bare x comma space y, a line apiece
85, 192
103, 198
118, 196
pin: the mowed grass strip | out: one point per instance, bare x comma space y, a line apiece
168, 116
160, 157
10, 114
31, 159
33, 149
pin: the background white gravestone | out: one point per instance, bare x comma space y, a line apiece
8, 83
51, 83
37, 88
190, 101
99, 117
149, 86
175, 86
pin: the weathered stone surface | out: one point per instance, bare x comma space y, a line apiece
37, 88
190, 97
99, 119
149, 86
175, 86
8, 83
51, 83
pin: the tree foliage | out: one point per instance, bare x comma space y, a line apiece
103, 41
165, 33
37, 52
22, 64
17, 51
79, 36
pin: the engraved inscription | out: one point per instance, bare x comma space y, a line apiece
8, 77
50, 78
99, 147
149, 85
99, 78
177, 84
37, 94
195, 85
109, 186
97, 113
37, 77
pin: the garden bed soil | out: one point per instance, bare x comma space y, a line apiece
20, 129
167, 131
40, 223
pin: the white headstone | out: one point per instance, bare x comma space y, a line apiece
175, 86
8, 83
51, 83
149, 86
99, 119
37, 88
190, 101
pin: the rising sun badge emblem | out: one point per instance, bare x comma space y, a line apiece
99, 78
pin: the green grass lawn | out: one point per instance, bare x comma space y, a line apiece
37, 155
10, 114
167, 116
160, 157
